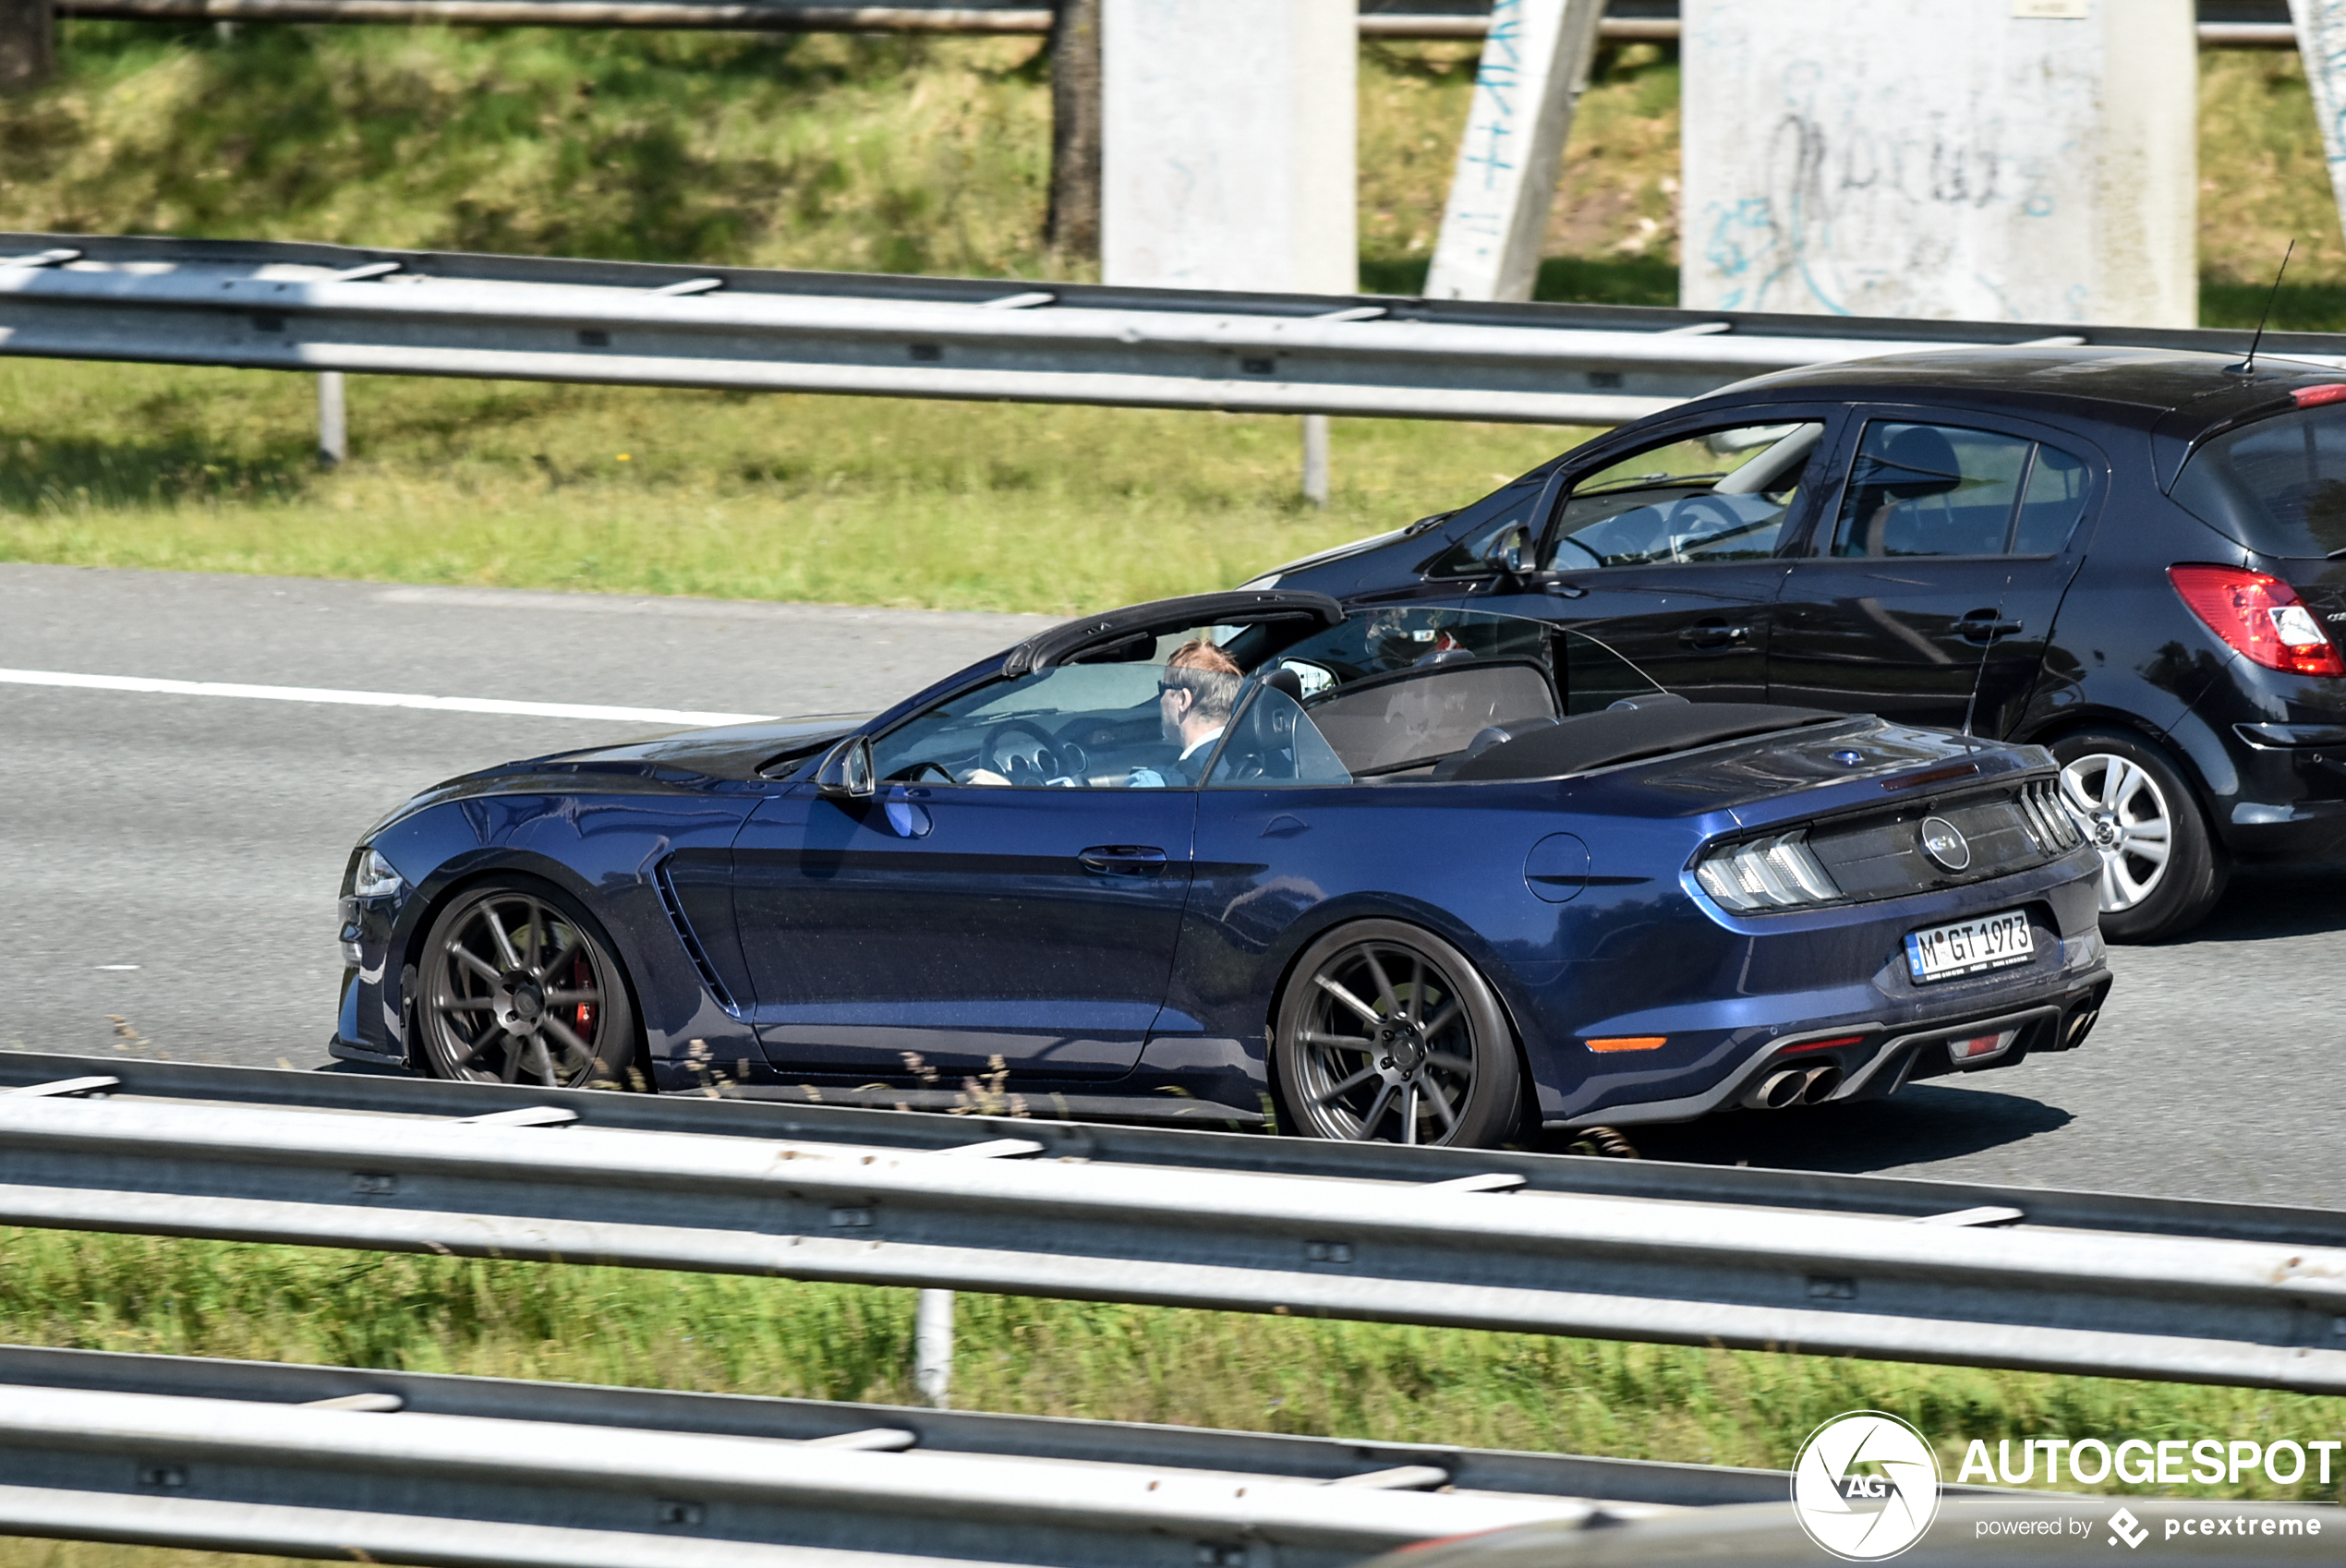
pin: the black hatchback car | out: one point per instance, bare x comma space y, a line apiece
2133, 557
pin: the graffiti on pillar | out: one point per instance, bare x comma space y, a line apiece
1839, 216
1493, 133
2321, 42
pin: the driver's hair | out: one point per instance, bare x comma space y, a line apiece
1209, 675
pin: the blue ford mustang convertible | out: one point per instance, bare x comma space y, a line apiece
1428, 876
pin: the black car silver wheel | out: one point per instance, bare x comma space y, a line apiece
2161, 869
2128, 818
517, 986
1387, 1033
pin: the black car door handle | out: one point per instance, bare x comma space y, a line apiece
1714, 634
1986, 626
1123, 859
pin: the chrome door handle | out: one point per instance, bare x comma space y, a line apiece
1123, 859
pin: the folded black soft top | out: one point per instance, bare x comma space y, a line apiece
1619, 735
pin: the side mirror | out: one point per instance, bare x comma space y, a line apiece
846, 771
1510, 551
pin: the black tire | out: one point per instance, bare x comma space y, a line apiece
516, 984
2135, 807
1425, 1056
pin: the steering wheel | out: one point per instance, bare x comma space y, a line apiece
1594, 559
1735, 520
1019, 750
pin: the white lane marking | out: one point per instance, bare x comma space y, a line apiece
682, 717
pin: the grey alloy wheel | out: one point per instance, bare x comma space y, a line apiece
1388, 1033
516, 985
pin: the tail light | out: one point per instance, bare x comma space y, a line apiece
2259, 616
1780, 873
2048, 821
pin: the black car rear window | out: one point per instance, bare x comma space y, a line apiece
2278, 486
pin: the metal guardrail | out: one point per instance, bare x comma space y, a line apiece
1985, 1285
727, 1111
1001, 17
245, 1456
295, 306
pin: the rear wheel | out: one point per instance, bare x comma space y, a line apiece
518, 984
1387, 1033
2161, 868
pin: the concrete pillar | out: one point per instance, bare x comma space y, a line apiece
1227, 153
1992, 160
1535, 66
1227, 144
2321, 43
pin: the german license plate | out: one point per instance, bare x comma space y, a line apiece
1968, 946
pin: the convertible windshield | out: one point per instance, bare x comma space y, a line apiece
1385, 695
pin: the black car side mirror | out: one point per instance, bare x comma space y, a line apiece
846, 771
1509, 550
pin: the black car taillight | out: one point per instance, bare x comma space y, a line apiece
2259, 617
2049, 820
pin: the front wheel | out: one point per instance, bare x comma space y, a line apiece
1386, 1034
2161, 868
518, 984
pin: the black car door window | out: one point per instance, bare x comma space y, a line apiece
1714, 495
2052, 503
1919, 490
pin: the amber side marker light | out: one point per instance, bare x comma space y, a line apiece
1629, 1043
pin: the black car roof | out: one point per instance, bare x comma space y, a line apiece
2176, 397
2136, 387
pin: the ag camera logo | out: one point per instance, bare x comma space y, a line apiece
1866, 1486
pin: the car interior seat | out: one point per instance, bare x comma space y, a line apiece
1264, 745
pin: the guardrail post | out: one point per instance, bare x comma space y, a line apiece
933, 1349
1315, 459
333, 430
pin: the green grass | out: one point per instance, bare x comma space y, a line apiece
967, 505
723, 1333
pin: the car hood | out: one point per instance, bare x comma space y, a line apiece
730, 752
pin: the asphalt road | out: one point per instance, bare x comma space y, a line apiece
168, 860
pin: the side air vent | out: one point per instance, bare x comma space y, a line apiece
691, 940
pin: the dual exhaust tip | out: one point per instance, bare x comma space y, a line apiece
1787, 1087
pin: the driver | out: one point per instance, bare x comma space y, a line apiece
1193, 700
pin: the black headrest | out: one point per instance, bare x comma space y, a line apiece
1619, 735
1285, 679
